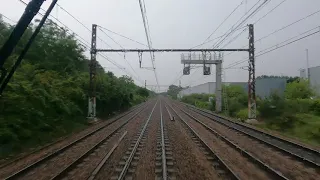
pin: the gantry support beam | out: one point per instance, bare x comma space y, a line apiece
201, 61
167, 50
251, 82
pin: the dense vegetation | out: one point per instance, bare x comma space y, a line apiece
47, 97
296, 113
173, 91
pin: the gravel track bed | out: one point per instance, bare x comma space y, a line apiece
29, 159
190, 162
51, 167
109, 167
276, 159
239, 164
84, 170
145, 169
23, 159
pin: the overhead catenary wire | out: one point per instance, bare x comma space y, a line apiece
235, 9
59, 22
269, 11
124, 58
123, 36
84, 42
207, 40
277, 46
243, 21
2, 15
148, 40
99, 27
234, 38
240, 24
282, 28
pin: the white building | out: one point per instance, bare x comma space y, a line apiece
264, 87
313, 75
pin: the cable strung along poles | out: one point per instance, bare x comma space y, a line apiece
251, 82
31, 10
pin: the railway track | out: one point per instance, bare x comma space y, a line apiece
272, 173
32, 169
42, 148
164, 159
127, 165
222, 169
299, 152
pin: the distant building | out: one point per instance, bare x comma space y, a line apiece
314, 75
264, 87
303, 74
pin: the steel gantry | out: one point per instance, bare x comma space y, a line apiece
251, 82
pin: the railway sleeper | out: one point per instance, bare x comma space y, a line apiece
216, 164
134, 162
171, 172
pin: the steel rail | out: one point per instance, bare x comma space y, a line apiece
60, 140
274, 173
163, 155
72, 165
59, 151
129, 160
98, 168
230, 172
297, 151
171, 117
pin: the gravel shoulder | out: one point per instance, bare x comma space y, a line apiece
109, 167
145, 169
233, 158
190, 161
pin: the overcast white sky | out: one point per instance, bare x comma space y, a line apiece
186, 23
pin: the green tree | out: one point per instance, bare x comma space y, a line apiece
48, 95
173, 91
298, 89
143, 92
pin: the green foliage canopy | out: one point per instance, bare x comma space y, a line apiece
47, 96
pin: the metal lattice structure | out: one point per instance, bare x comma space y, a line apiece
252, 107
205, 58
93, 67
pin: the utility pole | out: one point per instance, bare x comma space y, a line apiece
93, 66
308, 70
145, 84
252, 107
179, 83
219, 85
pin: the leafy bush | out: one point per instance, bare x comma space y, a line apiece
203, 105
315, 106
298, 89
242, 114
47, 96
193, 98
